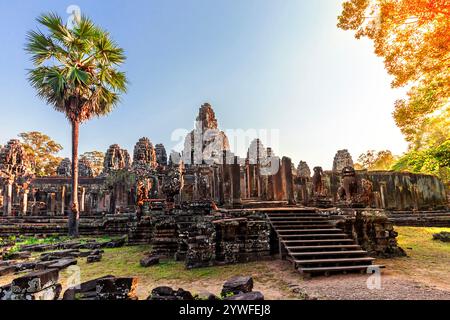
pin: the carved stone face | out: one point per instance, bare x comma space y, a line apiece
318, 170
348, 172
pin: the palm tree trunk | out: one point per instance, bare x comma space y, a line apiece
74, 214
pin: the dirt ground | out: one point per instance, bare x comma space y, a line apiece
424, 274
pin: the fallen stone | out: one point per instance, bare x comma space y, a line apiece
206, 295
182, 294
94, 258
21, 255
116, 288
5, 292
249, 296
38, 247
70, 245
50, 293
443, 236
84, 254
237, 285
69, 253
150, 260
43, 265
62, 264
7, 270
35, 281
91, 246
117, 243
25, 266
86, 290
6, 263
165, 293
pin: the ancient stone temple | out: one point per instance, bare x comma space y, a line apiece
206, 143
145, 153
15, 176
161, 155
116, 159
64, 168
85, 168
342, 159
208, 205
303, 170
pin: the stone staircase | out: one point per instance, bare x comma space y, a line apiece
314, 246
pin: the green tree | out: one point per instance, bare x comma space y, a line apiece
435, 161
42, 152
76, 72
372, 160
413, 37
95, 158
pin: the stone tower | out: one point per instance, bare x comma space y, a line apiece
206, 143
161, 155
144, 153
303, 170
116, 159
342, 160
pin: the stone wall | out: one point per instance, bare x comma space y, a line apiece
371, 229
389, 190
242, 240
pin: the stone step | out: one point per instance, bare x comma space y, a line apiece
308, 242
290, 218
338, 269
297, 215
302, 226
289, 210
302, 231
340, 246
304, 222
332, 236
327, 253
333, 260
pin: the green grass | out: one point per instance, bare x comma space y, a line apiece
125, 261
428, 260
19, 242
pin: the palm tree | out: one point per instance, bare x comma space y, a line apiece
76, 72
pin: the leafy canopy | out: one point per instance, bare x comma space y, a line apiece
413, 37
372, 160
76, 68
42, 152
95, 159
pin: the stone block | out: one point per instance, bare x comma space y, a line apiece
7, 270
50, 293
94, 258
62, 264
35, 281
86, 289
237, 285
249, 296
116, 288
149, 260
165, 293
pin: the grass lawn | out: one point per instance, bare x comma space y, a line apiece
125, 262
428, 260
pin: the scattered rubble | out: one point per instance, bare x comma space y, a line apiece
237, 285
150, 260
443, 236
40, 285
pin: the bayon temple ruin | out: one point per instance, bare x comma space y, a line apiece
207, 205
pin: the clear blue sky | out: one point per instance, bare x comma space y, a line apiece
262, 64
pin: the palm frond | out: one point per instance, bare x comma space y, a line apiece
76, 69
